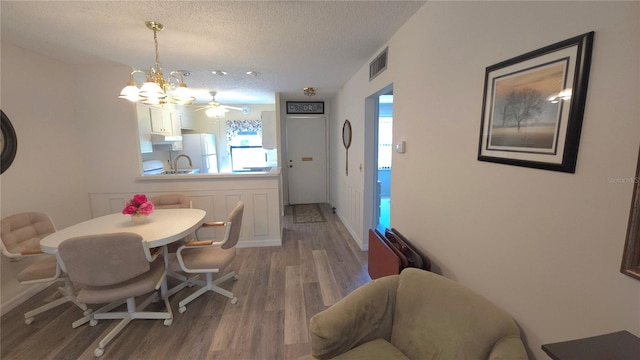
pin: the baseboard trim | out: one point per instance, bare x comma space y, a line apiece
362, 245
259, 243
22, 297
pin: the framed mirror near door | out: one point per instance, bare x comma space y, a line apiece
346, 141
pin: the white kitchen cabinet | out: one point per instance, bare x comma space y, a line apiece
165, 121
186, 121
161, 121
144, 128
269, 138
176, 123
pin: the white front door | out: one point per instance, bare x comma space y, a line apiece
307, 159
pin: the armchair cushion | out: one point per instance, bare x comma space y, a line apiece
365, 314
378, 349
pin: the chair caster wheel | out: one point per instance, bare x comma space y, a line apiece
98, 352
168, 322
182, 309
93, 322
87, 312
234, 300
28, 321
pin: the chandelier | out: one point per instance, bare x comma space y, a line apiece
156, 90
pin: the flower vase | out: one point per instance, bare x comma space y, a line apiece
138, 218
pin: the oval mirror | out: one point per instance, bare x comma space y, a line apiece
8, 143
346, 134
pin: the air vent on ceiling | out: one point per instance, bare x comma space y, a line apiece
378, 65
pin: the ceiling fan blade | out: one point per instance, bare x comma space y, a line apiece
231, 107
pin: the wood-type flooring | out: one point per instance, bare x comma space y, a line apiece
278, 289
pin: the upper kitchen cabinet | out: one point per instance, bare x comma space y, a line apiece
161, 121
269, 139
186, 120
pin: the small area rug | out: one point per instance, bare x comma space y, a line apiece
307, 213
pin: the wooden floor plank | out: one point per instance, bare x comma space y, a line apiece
279, 289
294, 314
328, 285
276, 285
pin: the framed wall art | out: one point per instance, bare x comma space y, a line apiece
631, 255
533, 106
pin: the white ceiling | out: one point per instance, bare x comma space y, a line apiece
291, 44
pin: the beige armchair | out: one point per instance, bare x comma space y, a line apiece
414, 315
21, 234
115, 269
209, 257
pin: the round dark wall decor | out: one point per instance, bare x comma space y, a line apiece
8, 143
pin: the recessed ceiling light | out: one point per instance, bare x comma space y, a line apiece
252, 73
219, 72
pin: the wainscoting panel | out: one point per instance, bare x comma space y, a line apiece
261, 223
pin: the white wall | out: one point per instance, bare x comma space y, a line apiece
545, 246
48, 173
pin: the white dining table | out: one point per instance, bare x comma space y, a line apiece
162, 227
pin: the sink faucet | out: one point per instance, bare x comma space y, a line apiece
175, 161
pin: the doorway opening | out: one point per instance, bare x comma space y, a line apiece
384, 136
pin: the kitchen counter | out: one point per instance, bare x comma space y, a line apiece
273, 172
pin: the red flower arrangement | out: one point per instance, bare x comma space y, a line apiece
138, 205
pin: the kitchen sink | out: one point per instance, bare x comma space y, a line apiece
180, 172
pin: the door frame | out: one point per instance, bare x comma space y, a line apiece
285, 158
371, 113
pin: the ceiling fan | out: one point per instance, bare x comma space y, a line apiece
215, 109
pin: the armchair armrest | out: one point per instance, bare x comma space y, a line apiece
213, 223
509, 348
363, 315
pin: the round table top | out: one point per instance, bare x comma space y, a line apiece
162, 227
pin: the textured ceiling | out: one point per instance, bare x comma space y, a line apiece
291, 44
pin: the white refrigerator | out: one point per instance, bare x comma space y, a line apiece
201, 148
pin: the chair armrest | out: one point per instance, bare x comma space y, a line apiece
209, 224
363, 315
31, 252
198, 243
509, 348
